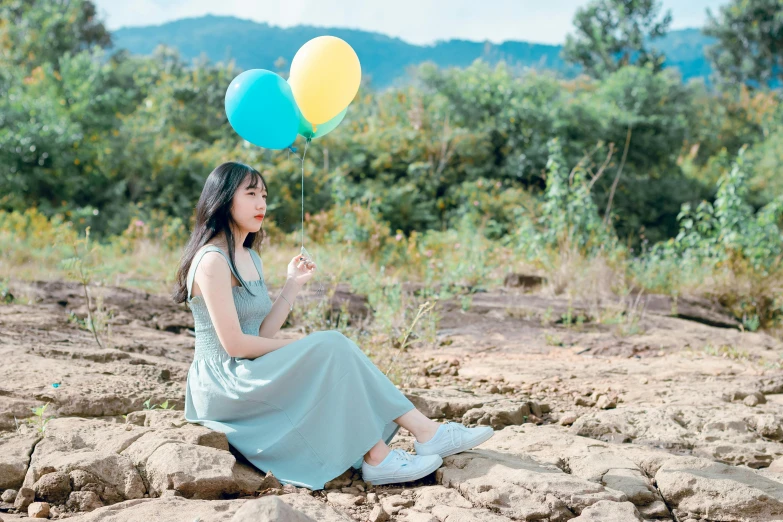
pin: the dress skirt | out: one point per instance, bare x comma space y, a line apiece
307, 412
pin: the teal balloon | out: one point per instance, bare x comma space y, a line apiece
306, 129
260, 107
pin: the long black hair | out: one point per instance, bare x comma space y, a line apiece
213, 216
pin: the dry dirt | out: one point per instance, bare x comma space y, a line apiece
672, 414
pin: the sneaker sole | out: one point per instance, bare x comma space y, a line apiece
405, 478
469, 445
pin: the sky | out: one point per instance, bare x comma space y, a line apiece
415, 21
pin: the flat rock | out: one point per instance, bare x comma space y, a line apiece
607, 511
624, 469
15, 451
178, 509
502, 413
714, 491
170, 509
732, 436
269, 508
430, 496
458, 514
446, 403
520, 487
314, 509
193, 471
154, 454
652, 426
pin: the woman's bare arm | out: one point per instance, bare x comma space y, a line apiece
213, 277
280, 309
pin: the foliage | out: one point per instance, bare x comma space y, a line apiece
163, 406
40, 31
630, 176
568, 217
611, 34
729, 238
750, 42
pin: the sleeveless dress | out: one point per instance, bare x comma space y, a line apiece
307, 412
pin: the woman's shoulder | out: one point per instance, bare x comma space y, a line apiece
210, 257
212, 248
215, 244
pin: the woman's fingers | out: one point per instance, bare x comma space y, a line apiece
303, 264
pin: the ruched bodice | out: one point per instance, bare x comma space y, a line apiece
252, 308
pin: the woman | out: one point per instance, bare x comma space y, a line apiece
304, 409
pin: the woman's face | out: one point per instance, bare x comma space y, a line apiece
249, 205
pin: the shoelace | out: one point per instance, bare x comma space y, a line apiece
404, 455
456, 437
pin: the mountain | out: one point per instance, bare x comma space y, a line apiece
384, 59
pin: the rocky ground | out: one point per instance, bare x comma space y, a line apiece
672, 413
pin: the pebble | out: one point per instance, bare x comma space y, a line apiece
9, 495
23, 498
38, 510
270, 481
606, 403
567, 419
393, 504
342, 481
89, 500
583, 401
344, 499
378, 514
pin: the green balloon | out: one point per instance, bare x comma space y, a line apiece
306, 129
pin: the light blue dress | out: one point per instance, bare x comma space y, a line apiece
307, 412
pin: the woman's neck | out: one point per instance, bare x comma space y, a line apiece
239, 240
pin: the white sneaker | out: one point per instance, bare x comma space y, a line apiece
452, 438
400, 466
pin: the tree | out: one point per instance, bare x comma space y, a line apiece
33, 32
611, 34
750, 42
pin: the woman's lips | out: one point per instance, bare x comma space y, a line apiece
260, 217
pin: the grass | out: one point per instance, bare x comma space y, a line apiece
439, 264
38, 420
553, 340
727, 352
163, 406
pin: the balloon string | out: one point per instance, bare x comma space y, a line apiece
292, 149
304, 153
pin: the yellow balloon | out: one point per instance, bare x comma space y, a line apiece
325, 76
